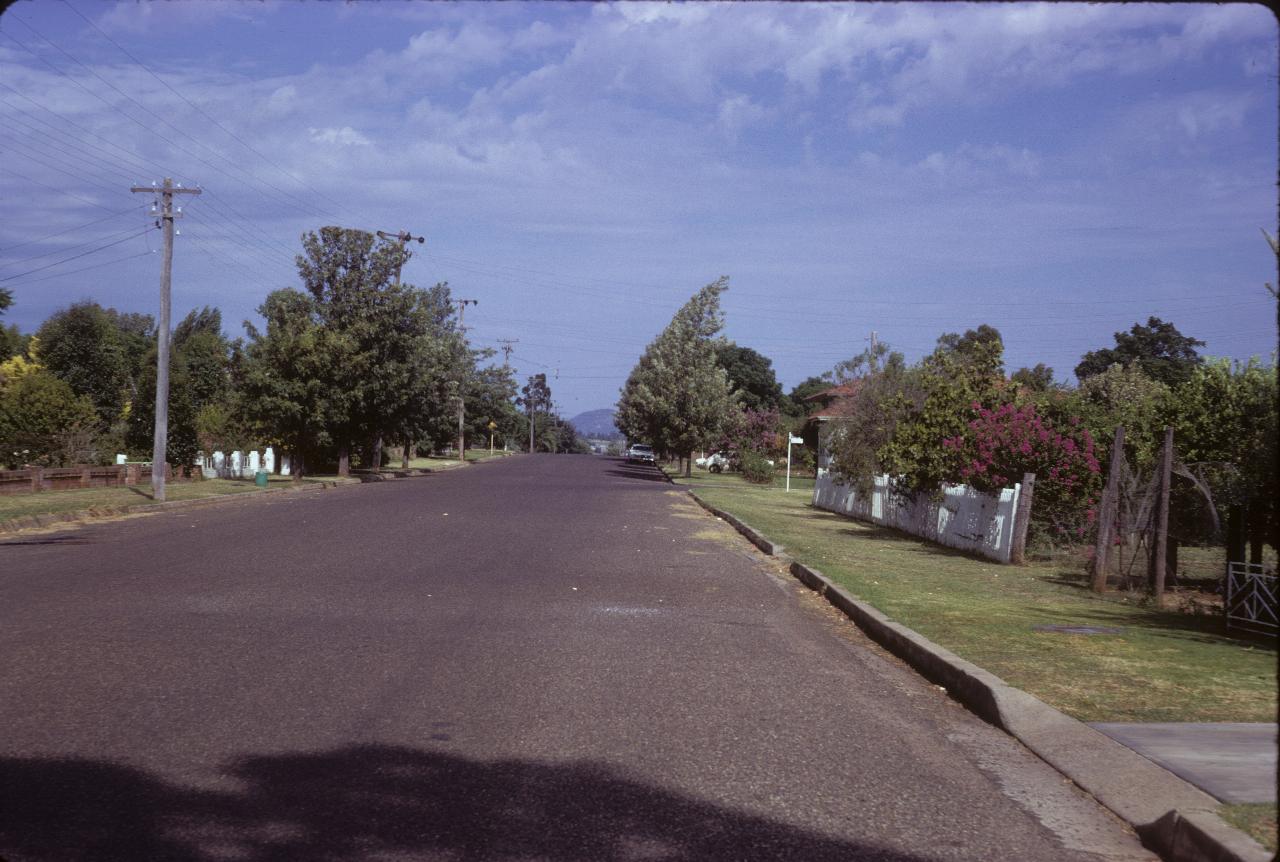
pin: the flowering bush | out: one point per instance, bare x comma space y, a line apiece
753, 431
1002, 443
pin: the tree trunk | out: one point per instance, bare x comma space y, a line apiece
688, 464
296, 467
376, 459
408, 450
1235, 534
1257, 531
344, 461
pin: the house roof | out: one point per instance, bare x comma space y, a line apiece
836, 402
844, 390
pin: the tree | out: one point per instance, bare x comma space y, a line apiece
535, 396
677, 397
490, 397
1163, 353
349, 277
284, 379
1038, 379
82, 346
12, 342
43, 421
751, 376
1224, 419
199, 379
795, 406
963, 374
871, 417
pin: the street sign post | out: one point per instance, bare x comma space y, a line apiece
791, 439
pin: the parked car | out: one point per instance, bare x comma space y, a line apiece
718, 462
641, 454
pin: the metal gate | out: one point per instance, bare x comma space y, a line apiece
1251, 598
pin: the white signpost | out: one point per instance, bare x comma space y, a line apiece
791, 440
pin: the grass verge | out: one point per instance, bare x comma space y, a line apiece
115, 499
1162, 666
1257, 819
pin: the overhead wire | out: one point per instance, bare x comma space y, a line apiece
115, 214
76, 256
198, 109
104, 263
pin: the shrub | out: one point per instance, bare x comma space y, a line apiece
755, 468
1004, 442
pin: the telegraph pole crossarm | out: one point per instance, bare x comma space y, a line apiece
164, 220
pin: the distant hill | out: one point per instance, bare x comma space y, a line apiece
597, 424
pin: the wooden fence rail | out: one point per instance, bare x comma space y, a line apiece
33, 479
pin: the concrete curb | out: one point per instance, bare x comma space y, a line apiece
49, 519
753, 535
1171, 816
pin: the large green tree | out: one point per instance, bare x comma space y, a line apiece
678, 397
82, 346
43, 421
1163, 353
284, 378
963, 373
199, 374
350, 277
751, 377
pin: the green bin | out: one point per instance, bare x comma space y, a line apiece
260, 478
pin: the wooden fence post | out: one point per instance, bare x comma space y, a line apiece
1162, 518
1107, 513
1022, 520
37, 478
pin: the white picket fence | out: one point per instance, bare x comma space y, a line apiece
238, 465
964, 518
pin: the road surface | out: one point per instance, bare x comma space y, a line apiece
544, 658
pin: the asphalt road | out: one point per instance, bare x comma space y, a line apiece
554, 658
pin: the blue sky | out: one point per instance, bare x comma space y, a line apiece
1058, 171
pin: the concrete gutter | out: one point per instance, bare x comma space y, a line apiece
51, 519
1172, 817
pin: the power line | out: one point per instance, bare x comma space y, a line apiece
77, 256
200, 110
111, 235
83, 269
77, 227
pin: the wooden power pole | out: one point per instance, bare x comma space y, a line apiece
462, 379
164, 220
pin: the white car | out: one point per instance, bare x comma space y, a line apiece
641, 454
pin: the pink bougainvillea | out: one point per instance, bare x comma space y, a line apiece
1003, 442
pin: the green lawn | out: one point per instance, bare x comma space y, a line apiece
1164, 666
1257, 819
115, 499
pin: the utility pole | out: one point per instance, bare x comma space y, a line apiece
462, 379
164, 219
402, 237
506, 349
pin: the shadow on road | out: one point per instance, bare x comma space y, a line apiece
637, 471
384, 803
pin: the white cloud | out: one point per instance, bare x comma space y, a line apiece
343, 137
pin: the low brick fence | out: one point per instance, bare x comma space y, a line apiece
32, 479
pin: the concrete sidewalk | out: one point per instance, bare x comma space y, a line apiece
1233, 762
